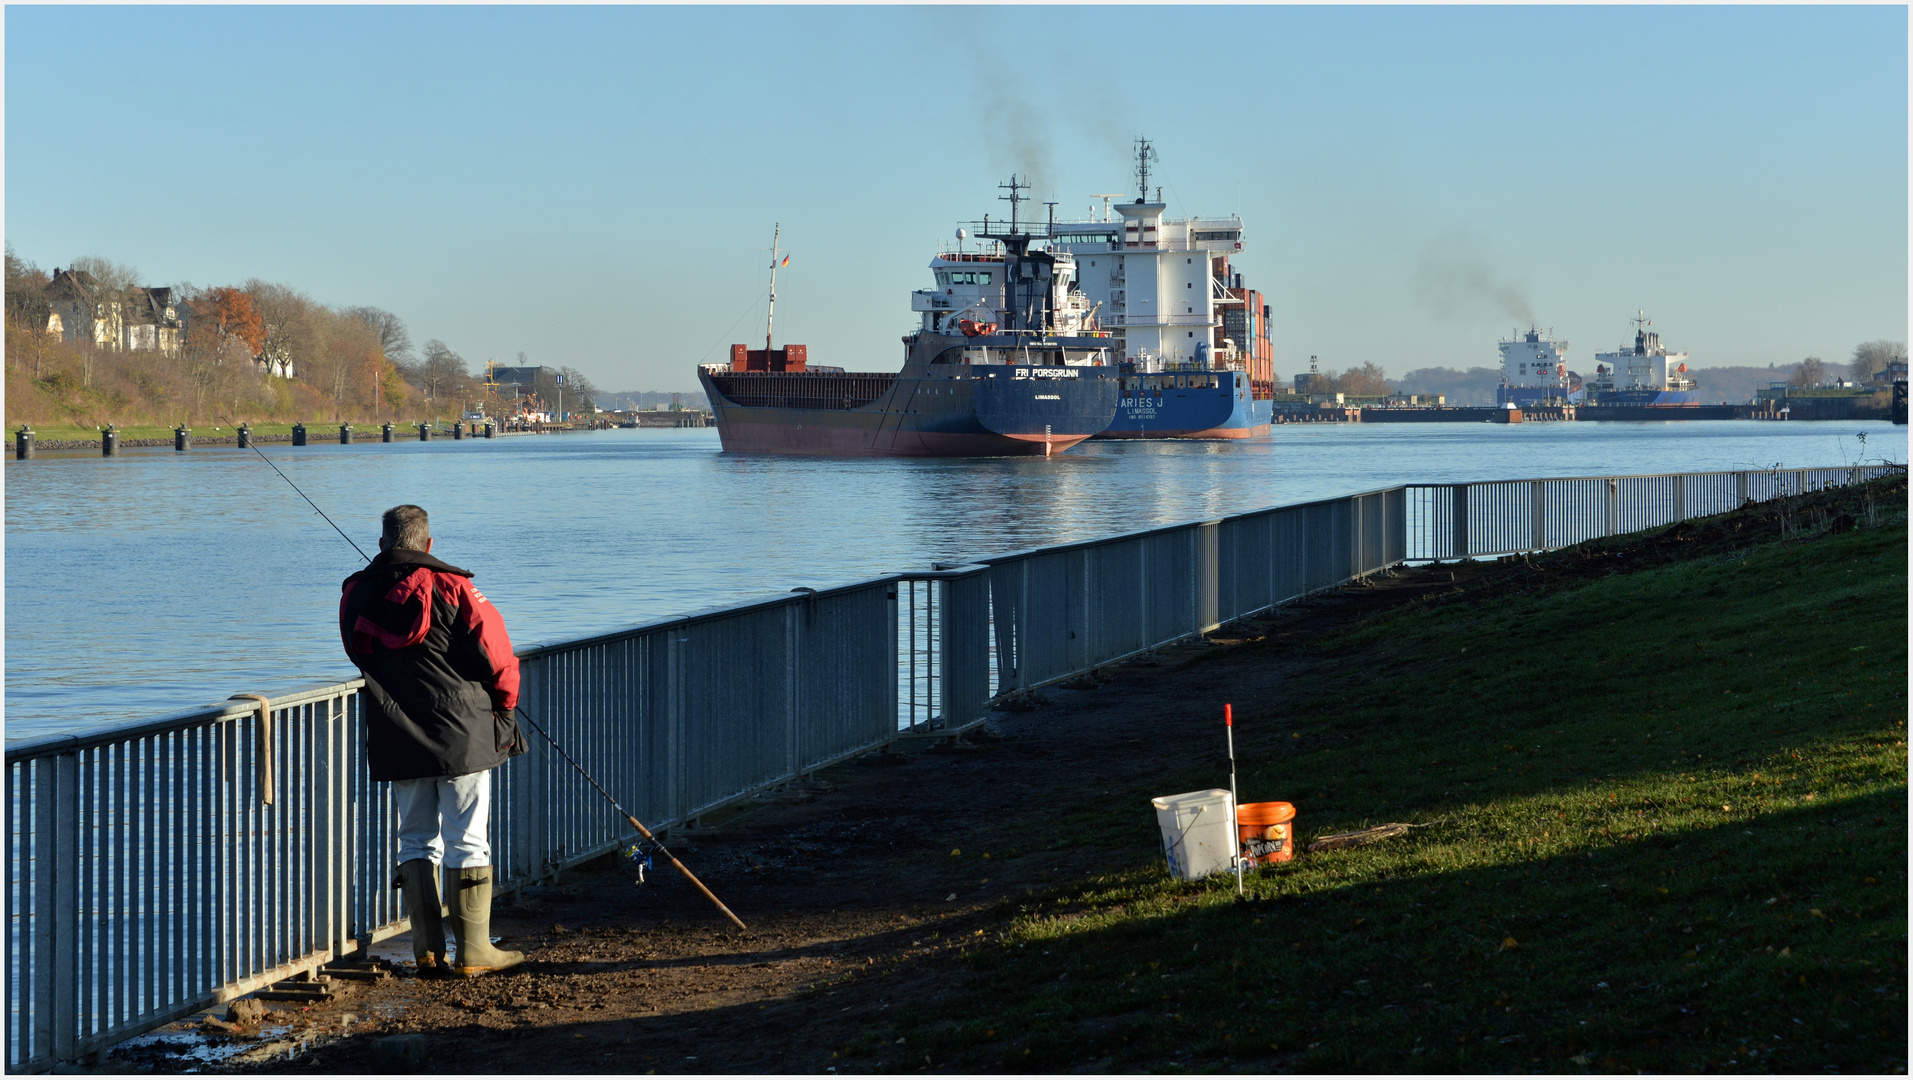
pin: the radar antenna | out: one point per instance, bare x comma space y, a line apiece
1145, 154
1106, 197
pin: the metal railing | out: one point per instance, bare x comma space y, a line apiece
1503, 517
159, 868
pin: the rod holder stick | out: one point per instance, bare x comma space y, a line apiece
1235, 809
628, 816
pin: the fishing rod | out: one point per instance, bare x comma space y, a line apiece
555, 745
302, 494
635, 823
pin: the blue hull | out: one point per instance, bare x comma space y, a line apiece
1525, 396
1183, 405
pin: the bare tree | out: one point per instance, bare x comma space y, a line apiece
113, 278
1809, 372
287, 315
392, 335
27, 305
1869, 357
440, 369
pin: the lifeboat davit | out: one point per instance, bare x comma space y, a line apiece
972, 328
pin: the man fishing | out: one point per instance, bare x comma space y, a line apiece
440, 685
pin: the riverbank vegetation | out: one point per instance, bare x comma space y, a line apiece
255, 351
1659, 790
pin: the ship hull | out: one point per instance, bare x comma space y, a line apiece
1660, 398
1007, 412
1181, 405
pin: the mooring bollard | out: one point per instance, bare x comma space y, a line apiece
182, 438
110, 441
458, 429
345, 434
245, 436
385, 433
491, 429
298, 434
425, 433
23, 442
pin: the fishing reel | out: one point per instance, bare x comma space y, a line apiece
637, 858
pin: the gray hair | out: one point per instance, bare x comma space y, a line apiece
406, 527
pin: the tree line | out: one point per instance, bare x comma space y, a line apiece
256, 350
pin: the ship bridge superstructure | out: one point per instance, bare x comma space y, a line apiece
1643, 367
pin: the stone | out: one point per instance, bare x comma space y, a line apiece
246, 1011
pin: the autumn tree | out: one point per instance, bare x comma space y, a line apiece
1365, 381
231, 313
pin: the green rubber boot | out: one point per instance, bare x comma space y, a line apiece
471, 907
419, 880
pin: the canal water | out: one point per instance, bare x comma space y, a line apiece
160, 581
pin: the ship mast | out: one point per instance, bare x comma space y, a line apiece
1013, 198
770, 313
1145, 154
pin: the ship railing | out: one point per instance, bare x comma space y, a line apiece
159, 868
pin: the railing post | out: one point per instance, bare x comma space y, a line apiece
1680, 496
1740, 489
1537, 515
1613, 506
1461, 521
794, 756
56, 923
1208, 566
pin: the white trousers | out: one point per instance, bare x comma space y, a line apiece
437, 811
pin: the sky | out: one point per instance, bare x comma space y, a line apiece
597, 186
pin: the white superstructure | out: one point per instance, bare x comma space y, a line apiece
1535, 361
1157, 286
1159, 282
1644, 366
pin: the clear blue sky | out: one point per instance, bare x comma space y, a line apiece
596, 186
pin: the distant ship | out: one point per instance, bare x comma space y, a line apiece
1534, 371
1194, 341
1646, 374
1002, 364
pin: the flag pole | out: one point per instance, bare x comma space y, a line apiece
1235, 809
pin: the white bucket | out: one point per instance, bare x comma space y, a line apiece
1198, 832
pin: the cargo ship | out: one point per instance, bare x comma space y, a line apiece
1005, 362
1196, 359
1644, 375
1534, 371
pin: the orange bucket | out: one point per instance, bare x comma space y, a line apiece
1267, 831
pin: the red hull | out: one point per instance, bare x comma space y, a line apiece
746, 437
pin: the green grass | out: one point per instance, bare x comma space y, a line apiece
1665, 819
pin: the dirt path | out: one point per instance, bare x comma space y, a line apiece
855, 899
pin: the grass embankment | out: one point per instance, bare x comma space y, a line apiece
1663, 790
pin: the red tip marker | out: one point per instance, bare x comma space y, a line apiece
1228, 715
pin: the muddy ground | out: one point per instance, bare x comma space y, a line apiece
854, 899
